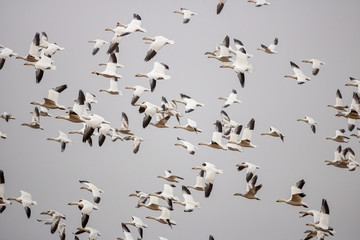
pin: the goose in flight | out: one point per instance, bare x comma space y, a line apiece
275, 133
114, 87
110, 70
5, 53
3, 201
44, 63
138, 91
166, 194
298, 74
349, 154
138, 223
220, 6
93, 189
106, 130
35, 121
26, 200
33, 55
250, 168
44, 112
7, 116
271, 48
161, 121
222, 53
48, 48
3, 135
93, 123
136, 142
186, 14
354, 83
309, 121
153, 203
97, 45
227, 123
72, 117
124, 129
189, 202
170, 177
339, 136
149, 109
51, 102
354, 111
216, 138
211, 172
190, 104
199, 183
318, 234
62, 139
93, 233
323, 224
127, 233
191, 126
86, 208
234, 138
133, 26
246, 136
230, 99
156, 44
259, 3
170, 108
296, 195
338, 102
339, 158
54, 221
164, 217
251, 189
185, 144
157, 73
315, 65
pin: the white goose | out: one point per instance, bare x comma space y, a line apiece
315, 65
251, 189
138, 223
323, 224
274, 133
35, 121
199, 183
33, 55
44, 63
153, 203
338, 102
97, 45
246, 136
309, 121
250, 168
216, 138
170, 108
127, 233
227, 123
5, 53
161, 121
339, 136
149, 109
110, 70
167, 193
138, 91
93, 123
230, 99
189, 202
7, 116
3, 135
157, 73
54, 221
96, 192
51, 102
156, 44
136, 142
299, 75
271, 48
164, 217
114, 87
222, 53
115, 41
26, 200
296, 195
191, 126
93, 233
186, 14
3, 201
339, 159
190, 104
170, 177
48, 48
133, 26
354, 111
211, 172
86, 208
233, 139
63, 139
354, 83
185, 144
124, 129
106, 130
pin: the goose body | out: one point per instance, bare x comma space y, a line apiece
51, 102
114, 87
259, 3
44, 63
296, 195
26, 200
138, 223
33, 54
274, 133
271, 48
97, 45
251, 187
127, 233
211, 172
96, 192
170, 177
164, 217
191, 126
230, 99
5, 53
315, 65
138, 91
157, 73
222, 52
309, 121
63, 139
338, 103
86, 208
187, 14
216, 138
189, 202
246, 136
185, 144
298, 74
339, 136
7, 116
110, 70
3, 201
133, 26
156, 44
35, 122
354, 112
136, 142
124, 129
93, 233
190, 104
199, 183
323, 224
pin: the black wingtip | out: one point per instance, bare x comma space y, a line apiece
150, 54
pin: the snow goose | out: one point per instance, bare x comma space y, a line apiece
339, 159
26, 200
259, 3
161, 121
223, 53
271, 48
47, 48
157, 73
86, 208
54, 221
106, 130
250, 168
124, 129
127, 233
170, 177
230, 99
164, 217
354, 111
315, 65
251, 189
138, 223
93, 123
216, 138
199, 183
33, 55
72, 117
338, 103
62, 139
186, 13
81, 131
220, 6
3, 135
296, 195
314, 213
61, 231
170, 108
93, 189
189, 202
133, 26
143, 197
51, 102
138, 91
110, 70
3, 201
185, 144
191, 126
149, 109
246, 136
136, 142
44, 63
153, 203
35, 121
339, 136
354, 83
167, 193
114, 87
190, 104
323, 224
227, 123
93, 233
7, 116
97, 45
275, 133
44, 112
115, 41
233, 139
309, 121
211, 172
299, 75
5, 53
350, 159
157, 43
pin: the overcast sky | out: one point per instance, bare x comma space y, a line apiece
326, 30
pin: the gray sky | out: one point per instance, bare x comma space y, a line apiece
327, 30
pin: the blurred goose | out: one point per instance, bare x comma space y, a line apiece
51, 102
61, 231
185, 144
220, 6
189, 202
3, 135
156, 44
5, 53
93, 233
246, 136
164, 217
72, 117
222, 53
54, 221
136, 142
352, 164
124, 129
161, 121
48, 48
339, 136
86, 208
62, 139
351, 124
106, 130
231, 99
338, 103
138, 91
216, 138
170, 108
133, 26
296, 195
318, 234
271, 48
33, 55
127, 233
211, 172
114, 88
143, 197
116, 39
93, 189
259, 3
323, 224
149, 109
275, 133
199, 183
227, 123
7, 116
157, 73
44, 112
339, 159
153, 203
250, 168
3, 201
138, 223
309, 121
354, 111
354, 83
315, 65
233, 139
191, 126
26, 200
187, 14
358, 133
299, 75
251, 189
110, 70
170, 177
44, 63
35, 121
190, 104
97, 45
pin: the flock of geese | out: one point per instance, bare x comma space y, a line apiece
238, 137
